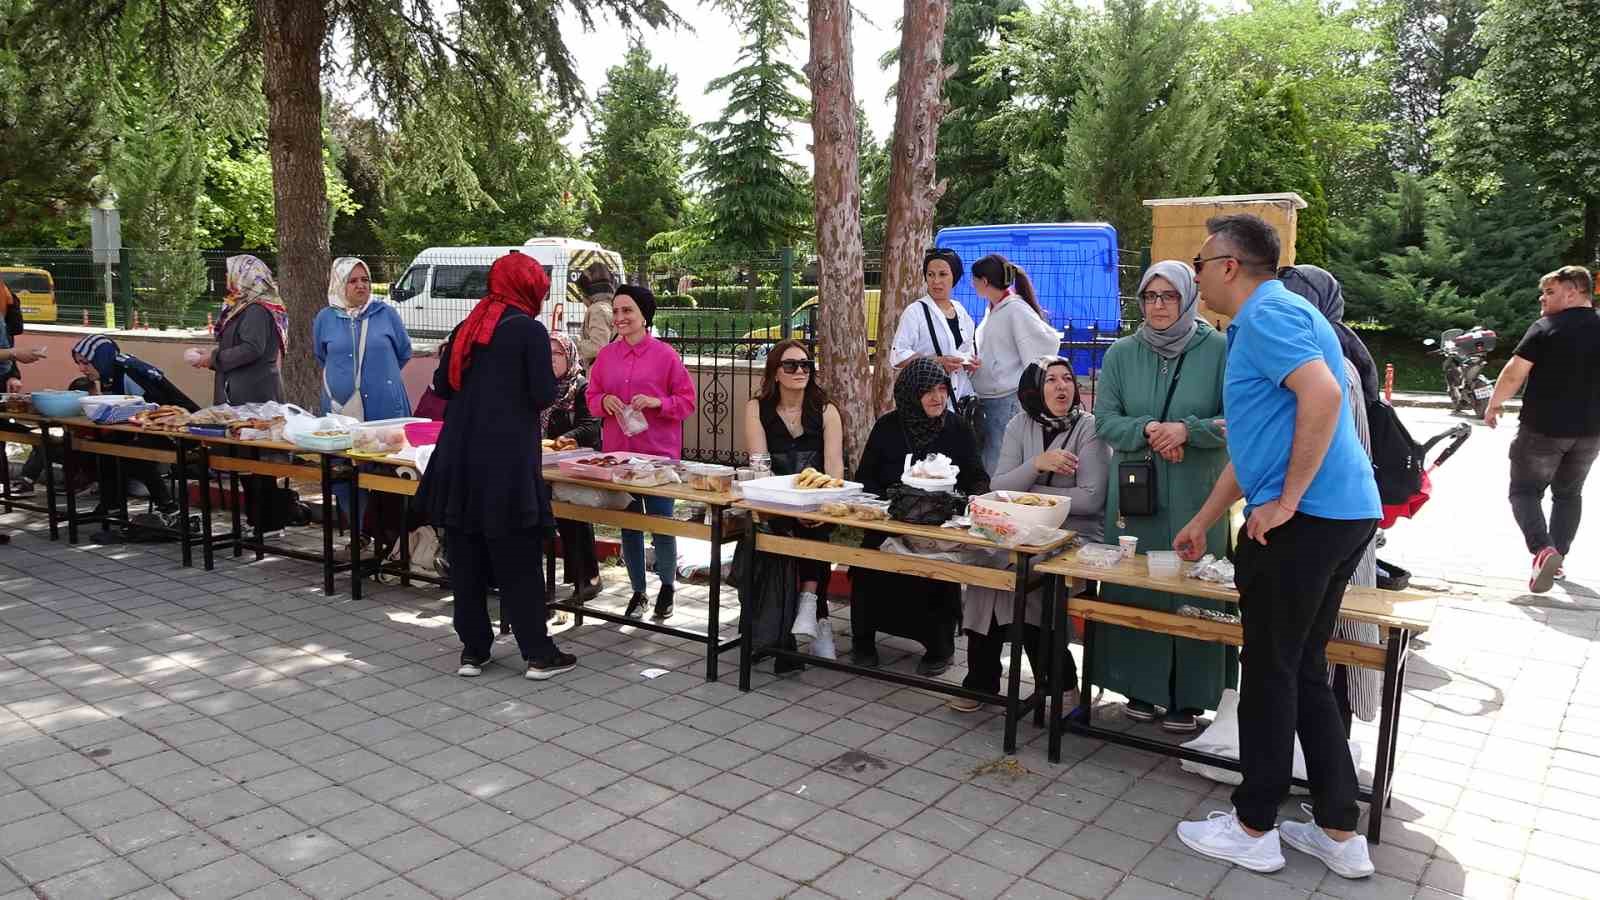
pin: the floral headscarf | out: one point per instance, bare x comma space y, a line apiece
251, 282
566, 385
920, 376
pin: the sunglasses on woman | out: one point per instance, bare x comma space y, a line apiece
791, 366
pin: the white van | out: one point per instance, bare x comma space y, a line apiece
442, 284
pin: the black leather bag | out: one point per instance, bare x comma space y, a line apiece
920, 507
1136, 478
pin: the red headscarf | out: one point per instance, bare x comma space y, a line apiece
514, 280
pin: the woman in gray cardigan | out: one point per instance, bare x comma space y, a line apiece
1049, 448
252, 333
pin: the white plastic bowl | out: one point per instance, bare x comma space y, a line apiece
928, 484
1044, 516
94, 400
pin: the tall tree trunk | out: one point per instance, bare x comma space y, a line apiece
841, 291
292, 35
912, 193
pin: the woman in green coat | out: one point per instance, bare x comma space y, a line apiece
1188, 446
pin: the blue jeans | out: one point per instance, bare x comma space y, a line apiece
996, 413
666, 545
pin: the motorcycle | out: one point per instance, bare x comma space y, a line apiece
1465, 353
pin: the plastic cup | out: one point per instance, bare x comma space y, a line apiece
1129, 545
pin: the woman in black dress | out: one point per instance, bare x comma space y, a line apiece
483, 484
792, 420
569, 420
921, 609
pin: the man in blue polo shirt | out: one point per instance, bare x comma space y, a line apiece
1311, 505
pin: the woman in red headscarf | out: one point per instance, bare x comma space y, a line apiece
483, 483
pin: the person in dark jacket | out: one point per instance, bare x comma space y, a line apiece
569, 419
252, 334
114, 372
483, 485
910, 606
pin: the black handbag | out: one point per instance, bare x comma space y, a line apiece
920, 507
967, 408
1136, 479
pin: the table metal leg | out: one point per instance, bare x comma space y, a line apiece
236, 502
180, 468
746, 625
327, 532
51, 515
256, 508
1086, 677
714, 598
1387, 720
207, 555
1399, 700
5, 475
1019, 606
1057, 650
72, 496
405, 541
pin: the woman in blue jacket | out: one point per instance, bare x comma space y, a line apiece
361, 346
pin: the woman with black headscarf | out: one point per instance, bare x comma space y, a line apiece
909, 606
934, 326
1158, 404
483, 485
1051, 447
1356, 689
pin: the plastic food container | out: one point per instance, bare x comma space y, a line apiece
93, 401
422, 433
602, 466
1164, 563
16, 403
928, 484
382, 437
1101, 556
709, 477
643, 474
326, 441
780, 490
59, 404
1045, 511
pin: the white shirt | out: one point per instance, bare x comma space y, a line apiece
912, 339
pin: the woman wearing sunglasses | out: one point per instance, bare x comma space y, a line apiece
1158, 403
792, 420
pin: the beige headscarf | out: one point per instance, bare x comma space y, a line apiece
342, 267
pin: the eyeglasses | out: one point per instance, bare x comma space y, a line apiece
791, 366
1160, 298
1200, 261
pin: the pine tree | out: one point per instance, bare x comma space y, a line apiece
634, 155
158, 172
1268, 149
755, 198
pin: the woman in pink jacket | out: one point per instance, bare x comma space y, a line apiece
635, 371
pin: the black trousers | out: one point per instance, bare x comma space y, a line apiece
1540, 462
1289, 595
515, 562
908, 606
579, 562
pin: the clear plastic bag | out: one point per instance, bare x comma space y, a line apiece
631, 421
1101, 556
579, 495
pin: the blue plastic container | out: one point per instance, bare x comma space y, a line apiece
59, 404
1074, 271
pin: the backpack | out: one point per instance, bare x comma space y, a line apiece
1399, 463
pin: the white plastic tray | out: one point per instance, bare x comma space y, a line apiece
780, 490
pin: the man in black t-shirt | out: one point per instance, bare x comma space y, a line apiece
1558, 435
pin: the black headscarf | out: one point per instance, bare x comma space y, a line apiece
1322, 290
1030, 393
920, 376
643, 297
951, 258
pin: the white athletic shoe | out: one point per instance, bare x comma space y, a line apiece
805, 617
1347, 858
822, 644
1220, 836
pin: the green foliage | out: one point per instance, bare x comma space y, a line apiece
1435, 44
1535, 102
506, 177
1433, 256
755, 197
873, 165
1138, 130
157, 171
1268, 149
634, 156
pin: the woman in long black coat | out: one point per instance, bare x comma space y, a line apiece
910, 606
483, 484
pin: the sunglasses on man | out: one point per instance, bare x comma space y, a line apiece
791, 366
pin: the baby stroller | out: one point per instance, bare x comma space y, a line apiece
1402, 469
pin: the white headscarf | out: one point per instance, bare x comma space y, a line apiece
342, 267
1168, 343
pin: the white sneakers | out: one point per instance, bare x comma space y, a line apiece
1221, 837
1348, 858
822, 643
805, 617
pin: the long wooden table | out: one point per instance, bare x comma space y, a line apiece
1399, 615
1018, 582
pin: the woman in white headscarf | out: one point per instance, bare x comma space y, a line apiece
1158, 404
361, 346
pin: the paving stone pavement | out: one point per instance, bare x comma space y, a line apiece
174, 732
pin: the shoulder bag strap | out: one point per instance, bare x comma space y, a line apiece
1173, 387
933, 334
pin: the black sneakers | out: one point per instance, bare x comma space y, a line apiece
550, 667
664, 604
636, 605
471, 667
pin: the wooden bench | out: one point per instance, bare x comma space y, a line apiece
1399, 616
